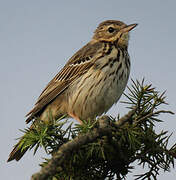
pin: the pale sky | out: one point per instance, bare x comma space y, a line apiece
38, 36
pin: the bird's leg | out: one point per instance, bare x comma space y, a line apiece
75, 117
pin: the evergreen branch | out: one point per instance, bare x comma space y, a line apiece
105, 148
153, 114
64, 151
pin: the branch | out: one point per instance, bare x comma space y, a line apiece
57, 160
154, 113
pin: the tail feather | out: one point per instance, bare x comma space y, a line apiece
17, 153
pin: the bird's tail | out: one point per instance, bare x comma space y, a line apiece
17, 152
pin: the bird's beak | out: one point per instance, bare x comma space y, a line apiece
128, 28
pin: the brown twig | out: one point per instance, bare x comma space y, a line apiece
152, 114
57, 160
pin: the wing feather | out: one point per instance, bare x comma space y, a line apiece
76, 66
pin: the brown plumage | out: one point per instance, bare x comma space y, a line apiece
91, 81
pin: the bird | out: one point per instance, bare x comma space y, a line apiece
92, 80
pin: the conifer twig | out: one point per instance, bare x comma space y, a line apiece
57, 160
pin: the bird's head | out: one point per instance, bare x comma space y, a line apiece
113, 31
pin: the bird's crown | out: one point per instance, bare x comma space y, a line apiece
113, 31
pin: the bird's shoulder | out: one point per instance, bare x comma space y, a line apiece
78, 64
86, 53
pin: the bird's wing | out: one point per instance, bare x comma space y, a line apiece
75, 67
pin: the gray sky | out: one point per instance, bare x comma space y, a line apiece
38, 36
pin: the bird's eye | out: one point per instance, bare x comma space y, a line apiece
111, 29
